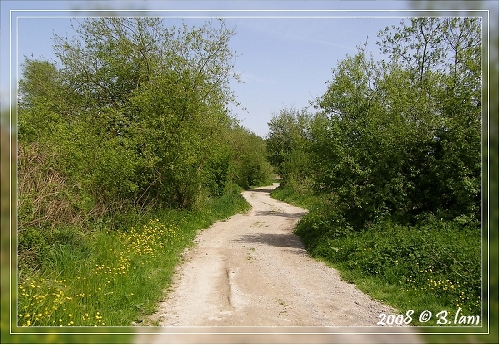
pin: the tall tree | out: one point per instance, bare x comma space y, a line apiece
287, 141
403, 137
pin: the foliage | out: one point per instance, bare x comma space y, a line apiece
394, 162
130, 124
109, 277
411, 257
248, 164
433, 265
133, 116
287, 144
399, 138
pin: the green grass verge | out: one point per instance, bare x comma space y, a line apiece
307, 201
433, 266
108, 278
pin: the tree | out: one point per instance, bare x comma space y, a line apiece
450, 51
248, 164
137, 112
402, 138
287, 143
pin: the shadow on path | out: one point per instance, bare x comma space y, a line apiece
275, 240
262, 190
290, 215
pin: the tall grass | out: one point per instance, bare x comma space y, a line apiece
108, 277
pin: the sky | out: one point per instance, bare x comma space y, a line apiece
286, 49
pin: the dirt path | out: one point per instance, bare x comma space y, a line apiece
251, 270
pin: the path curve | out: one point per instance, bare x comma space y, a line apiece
251, 270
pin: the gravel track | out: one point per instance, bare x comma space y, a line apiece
251, 270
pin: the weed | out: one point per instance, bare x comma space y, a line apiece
104, 277
432, 265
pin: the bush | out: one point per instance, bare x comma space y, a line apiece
435, 258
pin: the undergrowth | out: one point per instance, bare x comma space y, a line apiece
434, 265
103, 277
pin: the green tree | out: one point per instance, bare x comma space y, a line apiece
248, 164
136, 112
287, 144
402, 138
447, 52
356, 134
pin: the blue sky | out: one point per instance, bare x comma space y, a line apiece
285, 60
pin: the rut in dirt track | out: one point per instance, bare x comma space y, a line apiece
251, 270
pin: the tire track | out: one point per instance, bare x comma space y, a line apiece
251, 270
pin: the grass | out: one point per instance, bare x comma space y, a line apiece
103, 277
433, 266
290, 195
410, 272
